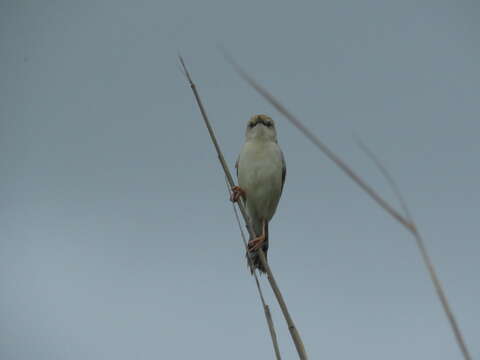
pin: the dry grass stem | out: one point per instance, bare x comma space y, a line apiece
404, 220
390, 180
271, 279
421, 247
266, 309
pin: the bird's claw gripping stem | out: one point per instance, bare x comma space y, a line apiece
256, 243
237, 191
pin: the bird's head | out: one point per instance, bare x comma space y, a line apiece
261, 127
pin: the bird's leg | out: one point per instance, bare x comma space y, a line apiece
237, 191
255, 244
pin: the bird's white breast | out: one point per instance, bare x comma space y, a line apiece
260, 169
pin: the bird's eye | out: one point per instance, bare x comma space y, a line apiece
250, 125
269, 124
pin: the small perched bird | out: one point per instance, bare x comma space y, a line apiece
261, 174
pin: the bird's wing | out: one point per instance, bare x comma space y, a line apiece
284, 169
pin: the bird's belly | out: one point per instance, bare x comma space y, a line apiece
260, 175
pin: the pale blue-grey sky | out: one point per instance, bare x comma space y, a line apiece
117, 240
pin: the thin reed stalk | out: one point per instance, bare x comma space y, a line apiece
266, 309
271, 279
403, 220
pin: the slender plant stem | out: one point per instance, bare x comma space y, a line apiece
405, 221
386, 174
266, 309
271, 279
421, 247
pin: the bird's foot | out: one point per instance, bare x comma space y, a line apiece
237, 191
256, 243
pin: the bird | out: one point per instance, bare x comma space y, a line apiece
261, 173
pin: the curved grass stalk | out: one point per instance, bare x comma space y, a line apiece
403, 220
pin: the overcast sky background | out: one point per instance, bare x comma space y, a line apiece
117, 240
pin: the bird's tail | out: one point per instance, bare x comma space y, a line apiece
253, 257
